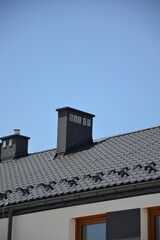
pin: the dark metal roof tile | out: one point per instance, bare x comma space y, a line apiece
117, 152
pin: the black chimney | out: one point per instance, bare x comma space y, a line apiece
74, 129
14, 146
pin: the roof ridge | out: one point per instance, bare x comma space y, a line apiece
101, 139
123, 134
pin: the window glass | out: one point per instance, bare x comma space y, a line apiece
75, 118
84, 121
94, 231
91, 227
10, 142
71, 117
88, 122
79, 120
4, 144
157, 227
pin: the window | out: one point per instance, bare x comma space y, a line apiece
91, 228
154, 223
88, 122
10, 142
84, 121
79, 120
4, 144
71, 117
124, 224
75, 118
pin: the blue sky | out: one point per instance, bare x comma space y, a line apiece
99, 56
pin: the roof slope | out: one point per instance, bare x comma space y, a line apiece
118, 160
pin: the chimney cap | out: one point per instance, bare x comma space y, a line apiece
75, 110
16, 131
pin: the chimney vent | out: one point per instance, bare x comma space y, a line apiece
16, 131
74, 129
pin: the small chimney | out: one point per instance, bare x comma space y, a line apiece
14, 146
74, 129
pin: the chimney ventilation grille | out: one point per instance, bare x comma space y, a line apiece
78, 119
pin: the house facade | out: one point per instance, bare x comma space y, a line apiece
84, 189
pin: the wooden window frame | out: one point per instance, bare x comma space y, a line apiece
82, 221
152, 212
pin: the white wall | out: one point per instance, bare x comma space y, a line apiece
3, 228
59, 224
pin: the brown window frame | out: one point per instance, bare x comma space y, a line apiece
80, 222
152, 212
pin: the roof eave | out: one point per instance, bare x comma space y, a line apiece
100, 195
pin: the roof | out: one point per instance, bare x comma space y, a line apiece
120, 160
74, 110
14, 136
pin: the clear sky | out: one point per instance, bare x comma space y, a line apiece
99, 56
